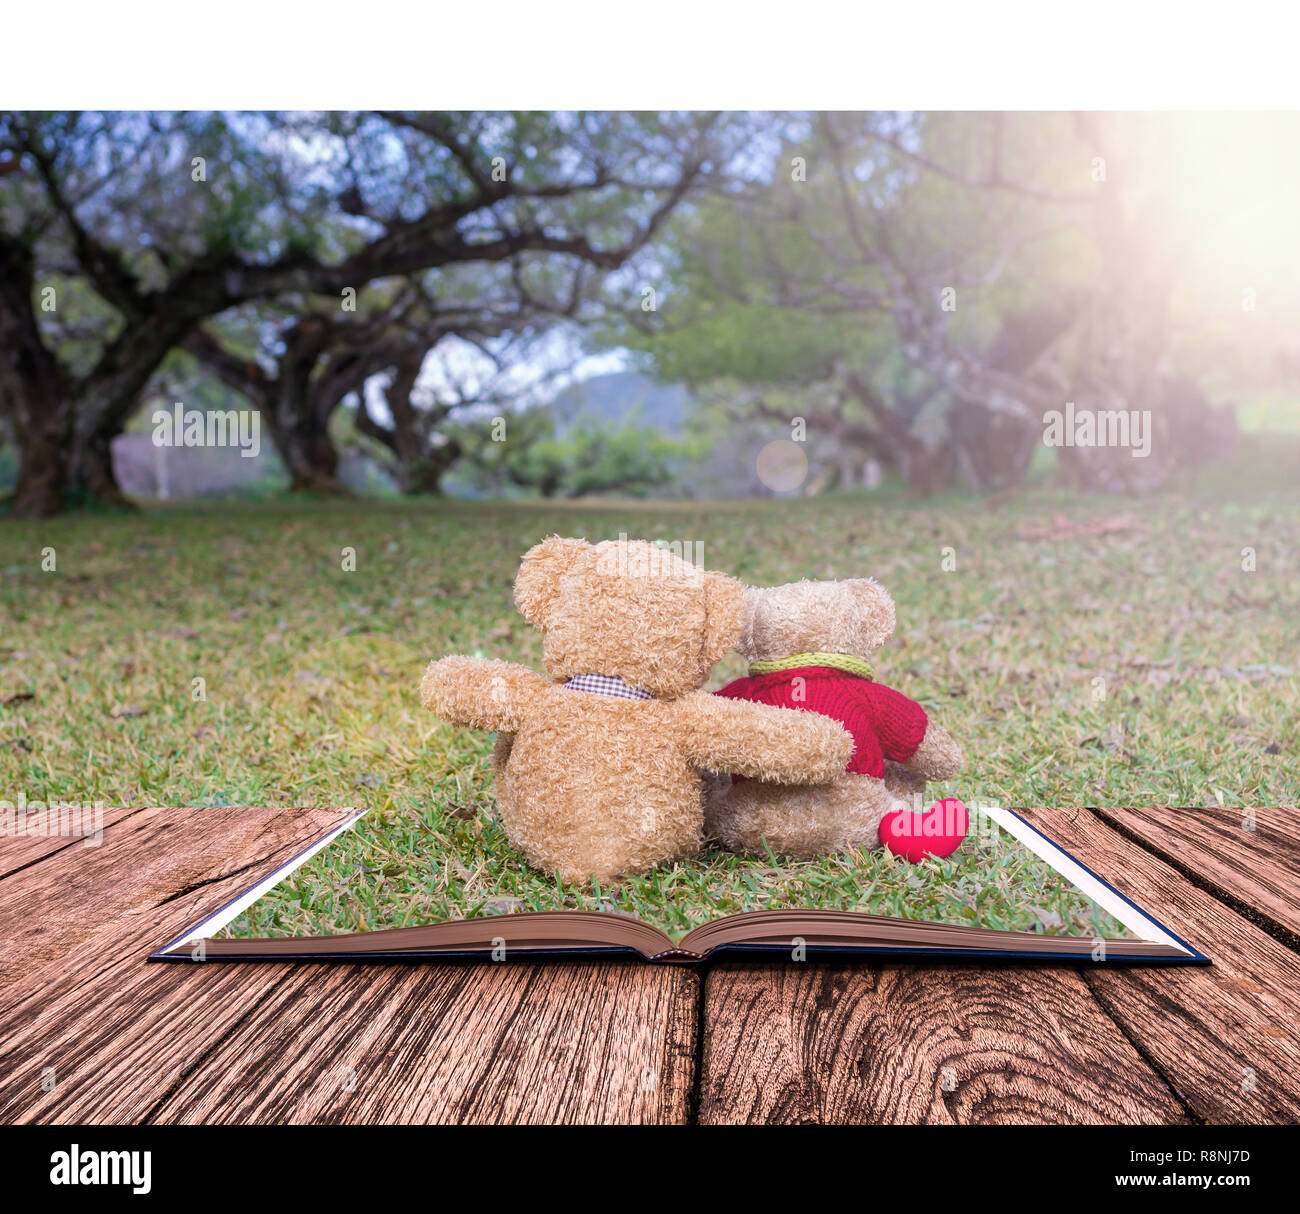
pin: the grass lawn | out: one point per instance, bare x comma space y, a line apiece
413, 871
221, 654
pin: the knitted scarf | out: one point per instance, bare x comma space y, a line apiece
840, 661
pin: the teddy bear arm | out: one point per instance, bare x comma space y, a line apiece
789, 746
481, 693
938, 757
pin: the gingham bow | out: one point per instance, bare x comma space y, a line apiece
606, 685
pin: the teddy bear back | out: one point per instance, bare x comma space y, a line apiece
628, 608
854, 616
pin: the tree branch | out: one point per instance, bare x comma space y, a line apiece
994, 179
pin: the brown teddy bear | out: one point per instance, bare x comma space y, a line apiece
808, 645
598, 778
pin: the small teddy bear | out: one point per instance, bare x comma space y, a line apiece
596, 766
808, 643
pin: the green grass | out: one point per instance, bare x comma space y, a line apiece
416, 871
1142, 667
1269, 411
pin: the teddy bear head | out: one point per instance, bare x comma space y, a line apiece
855, 616
628, 608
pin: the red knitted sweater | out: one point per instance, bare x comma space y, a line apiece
884, 723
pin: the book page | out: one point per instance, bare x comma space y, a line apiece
393, 873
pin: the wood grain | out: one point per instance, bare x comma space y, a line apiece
1225, 1037
90, 1032
904, 1044
18, 851
1249, 857
156, 873
109, 1047
559, 1043
358, 1043
66, 971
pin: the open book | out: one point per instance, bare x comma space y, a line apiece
1008, 893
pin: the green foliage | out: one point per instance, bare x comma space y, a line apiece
625, 460
594, 458
723, 318
774, 295
79, 325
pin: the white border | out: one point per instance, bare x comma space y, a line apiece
214, 923
821, 54
1135, 920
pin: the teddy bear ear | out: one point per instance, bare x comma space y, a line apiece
724, 615
537, 584
875, 611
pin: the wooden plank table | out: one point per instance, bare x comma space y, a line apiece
90, 1033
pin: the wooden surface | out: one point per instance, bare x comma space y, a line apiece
438, 1043
1248, 858
89, 1032
115, 1039
79, 909
17, 853
1227, 1036
906, 1044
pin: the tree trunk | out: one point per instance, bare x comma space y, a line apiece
308, 452
422, 479
302, 437
93, 475
994, 446
424, 475
296, 404
65, 428
43, 459
33, 394
420, 462
56, 469
111, 393
927, 470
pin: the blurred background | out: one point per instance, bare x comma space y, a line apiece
285, 396
563, 305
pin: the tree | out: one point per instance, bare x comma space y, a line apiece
893, 299
933, 286
414, 434
423, 434
299, 361
524, 450
173, 219
322, 361
461, 362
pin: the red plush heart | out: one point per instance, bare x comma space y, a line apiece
937, 831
